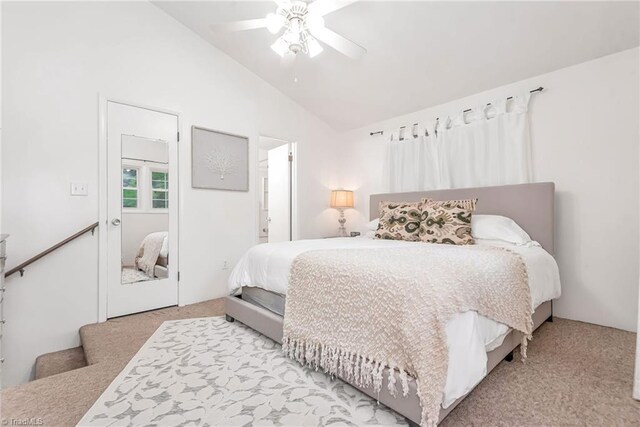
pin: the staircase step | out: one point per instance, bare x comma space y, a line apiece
57, 400
60, 361
120, 338
63, 398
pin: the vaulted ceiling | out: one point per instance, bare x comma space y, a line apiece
420, 54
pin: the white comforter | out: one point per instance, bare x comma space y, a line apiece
469, 335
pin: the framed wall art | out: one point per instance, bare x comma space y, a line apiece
219, 160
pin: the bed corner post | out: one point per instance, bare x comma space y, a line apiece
229, 318
550, 318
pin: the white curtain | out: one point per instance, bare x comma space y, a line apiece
488, 145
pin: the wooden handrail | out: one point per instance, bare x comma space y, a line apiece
22, 266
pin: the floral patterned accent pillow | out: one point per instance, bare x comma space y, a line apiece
447, 221
399, 221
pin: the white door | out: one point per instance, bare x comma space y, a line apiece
279, 179
142, 207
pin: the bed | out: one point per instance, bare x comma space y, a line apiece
476, 344
161, 269
157, 244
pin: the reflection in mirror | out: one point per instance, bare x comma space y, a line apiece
145, 209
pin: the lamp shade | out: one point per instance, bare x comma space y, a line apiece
341, 199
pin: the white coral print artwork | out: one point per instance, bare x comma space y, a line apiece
208, 372
221, 162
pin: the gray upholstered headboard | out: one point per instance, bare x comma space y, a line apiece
530, 205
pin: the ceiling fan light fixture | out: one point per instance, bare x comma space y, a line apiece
292, 37
275, 22
300, 28
280, 46
313, 47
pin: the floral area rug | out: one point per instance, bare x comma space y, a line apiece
209, 372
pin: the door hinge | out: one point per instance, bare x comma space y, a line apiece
178, 136
291, 157
178, 276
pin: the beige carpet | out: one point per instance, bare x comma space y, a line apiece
576, 374
62, 399
120, 339
59, 362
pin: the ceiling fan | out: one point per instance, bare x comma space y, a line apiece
300, 26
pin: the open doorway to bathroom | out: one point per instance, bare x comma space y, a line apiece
276, 174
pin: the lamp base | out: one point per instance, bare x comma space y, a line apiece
342, 231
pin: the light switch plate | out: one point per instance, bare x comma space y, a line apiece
79, 189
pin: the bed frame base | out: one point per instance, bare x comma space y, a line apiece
410, 423
270, 324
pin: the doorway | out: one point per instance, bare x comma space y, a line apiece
142, 209
276, 207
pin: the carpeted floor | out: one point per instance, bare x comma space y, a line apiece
59, 362
62, 399
210, 372
576, 374
120, 339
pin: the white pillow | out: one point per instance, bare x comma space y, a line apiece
498, 227
373, 225
370, 234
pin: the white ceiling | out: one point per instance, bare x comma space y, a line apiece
420, 54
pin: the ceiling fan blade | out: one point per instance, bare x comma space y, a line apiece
247, 24
324, 7
288, 59
339, 43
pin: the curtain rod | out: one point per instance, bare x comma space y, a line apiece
538, 89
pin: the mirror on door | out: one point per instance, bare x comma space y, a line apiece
145, 209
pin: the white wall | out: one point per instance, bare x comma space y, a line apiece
585, 136
57, 58
0, 112
636, 382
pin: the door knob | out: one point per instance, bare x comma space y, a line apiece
115, 221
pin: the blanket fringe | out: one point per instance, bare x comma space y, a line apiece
523, 346
361, 370
355, 368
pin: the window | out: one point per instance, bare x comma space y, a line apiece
129, 188
159, 189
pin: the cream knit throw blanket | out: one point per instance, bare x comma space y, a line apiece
353, 312
149, 251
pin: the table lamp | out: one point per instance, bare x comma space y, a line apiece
341, 200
